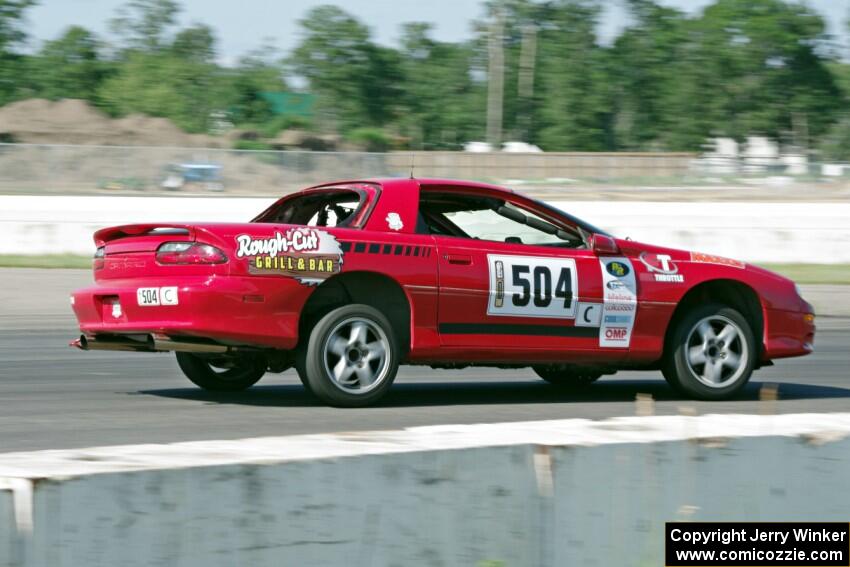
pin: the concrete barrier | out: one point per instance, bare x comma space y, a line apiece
571, 492
755, 232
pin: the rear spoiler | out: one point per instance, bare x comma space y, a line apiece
104, 235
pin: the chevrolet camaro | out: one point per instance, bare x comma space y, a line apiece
348, 280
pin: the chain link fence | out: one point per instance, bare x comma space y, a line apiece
69, 170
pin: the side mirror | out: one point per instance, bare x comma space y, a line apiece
605, 245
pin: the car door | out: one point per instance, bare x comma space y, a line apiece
513, 296
507, 300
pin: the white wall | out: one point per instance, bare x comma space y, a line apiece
757, 232
570, 492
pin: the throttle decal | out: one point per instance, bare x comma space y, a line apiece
529, 286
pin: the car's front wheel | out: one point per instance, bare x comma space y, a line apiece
351, 357
711, 353
222, 374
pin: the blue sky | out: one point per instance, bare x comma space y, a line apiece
244, 24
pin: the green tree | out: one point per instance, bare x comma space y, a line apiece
355, 79
752, 68
180, 81
69, 67
196, 44
12, 35
642, 60
256, 73
443, 105
575, 109
144, 24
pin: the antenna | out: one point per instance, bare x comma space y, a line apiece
412, 163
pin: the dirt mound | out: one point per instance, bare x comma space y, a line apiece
71, 121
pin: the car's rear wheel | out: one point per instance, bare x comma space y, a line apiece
222, 373
711, 353
567, 377
351, 357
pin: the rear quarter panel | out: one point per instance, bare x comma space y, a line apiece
407, 258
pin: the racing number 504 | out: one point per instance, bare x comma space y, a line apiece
536, 285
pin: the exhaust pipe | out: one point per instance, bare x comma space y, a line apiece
112, 343
164, 343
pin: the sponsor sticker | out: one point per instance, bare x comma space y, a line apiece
309, 255
618, 269
394, 221
617, 336
621, 307
662, 267
589, 314
711, 259
619, 302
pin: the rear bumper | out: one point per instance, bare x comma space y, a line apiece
256, 311
789, 333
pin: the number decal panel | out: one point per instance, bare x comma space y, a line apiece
532, 286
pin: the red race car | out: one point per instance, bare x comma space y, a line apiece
346, 281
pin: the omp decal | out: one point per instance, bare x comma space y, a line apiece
711, 259
662, 267
619, 302
307, 254
532, 286
589, 315
511, 329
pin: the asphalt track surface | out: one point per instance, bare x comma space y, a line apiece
55, 397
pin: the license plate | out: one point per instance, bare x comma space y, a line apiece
152, 296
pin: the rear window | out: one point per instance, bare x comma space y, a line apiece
325, 208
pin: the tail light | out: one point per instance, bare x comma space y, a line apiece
189, 253
98, 260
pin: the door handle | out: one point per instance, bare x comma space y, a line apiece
459, 259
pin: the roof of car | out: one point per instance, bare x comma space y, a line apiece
402, 183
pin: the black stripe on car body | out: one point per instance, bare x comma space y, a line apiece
514, 329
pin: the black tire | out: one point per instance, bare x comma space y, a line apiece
343, 370
301, 367
719, 377
239, 374
566, 377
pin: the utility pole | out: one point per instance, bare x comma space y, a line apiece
496, 78
527, 63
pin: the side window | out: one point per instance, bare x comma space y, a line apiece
483, 218
321, 209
